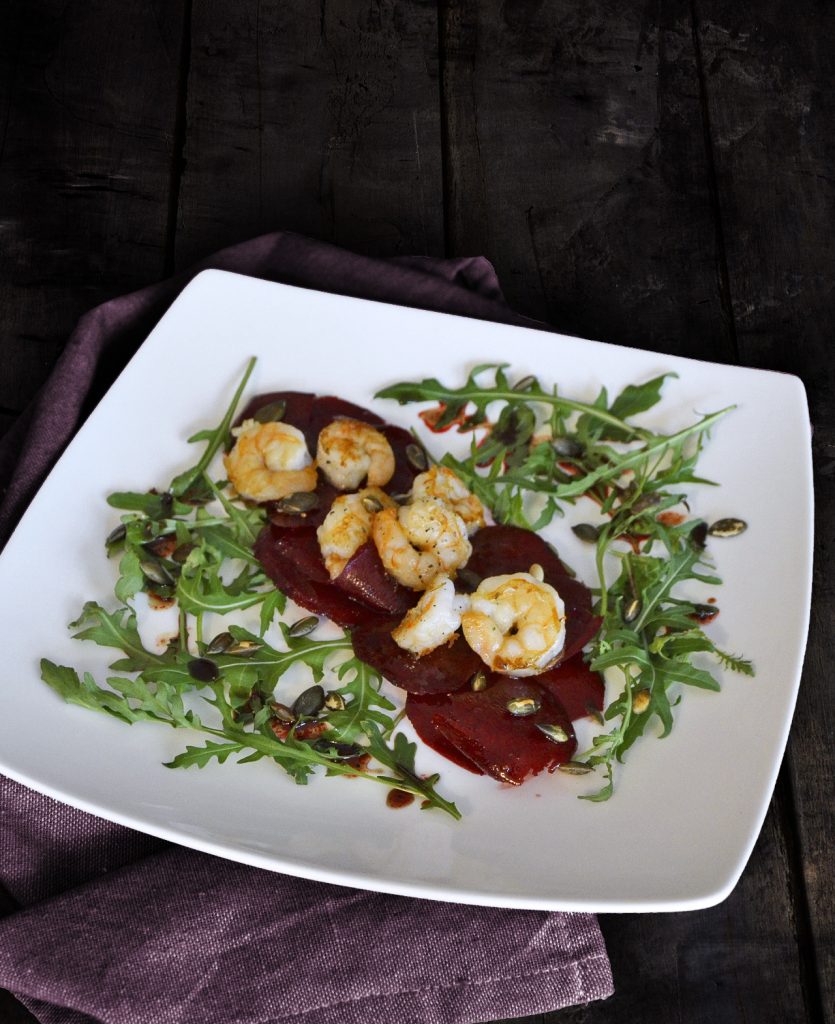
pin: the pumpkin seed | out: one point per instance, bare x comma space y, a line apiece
181, 553
204, 670
157, 573
244, 648
282, 713
646, 501
595, 713
220, 643
334, 701
371, 504
586, 532
568, 447
640, 701
632, 609
524, 383
271, 412
520, 707
309, 702
116, 535
301, 627
298, 503
699, 534
555, 733
729, 527
574, 768
478, 681
468, 579
537, 572
704, 612
416, 457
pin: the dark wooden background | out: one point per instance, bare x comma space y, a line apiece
658, 174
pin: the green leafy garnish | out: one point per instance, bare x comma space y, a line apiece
192, 544
542, 452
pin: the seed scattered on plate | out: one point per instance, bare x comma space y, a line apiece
574, 768
204, 670
309, 702
478, 681
729, 527
220, 643
298, 503
417, 457
301, 627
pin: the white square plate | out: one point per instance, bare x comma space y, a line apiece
686, 812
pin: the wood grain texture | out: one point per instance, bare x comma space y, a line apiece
319, 118
576, 163
85, 157
769, 70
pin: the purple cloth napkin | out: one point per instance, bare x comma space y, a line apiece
120, 928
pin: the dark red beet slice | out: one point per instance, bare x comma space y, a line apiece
404, 471
365, 579
501, 550
575, 686
443, 670
420, 710
308, 591
301, 547
297, 412
508, 747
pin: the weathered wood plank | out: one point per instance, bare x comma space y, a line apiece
576, 163
86, 132
579, 161
769, 69
318, 118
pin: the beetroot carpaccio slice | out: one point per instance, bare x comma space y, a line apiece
443, 670
482, 730
576, 687
365, 579
502, 550
297, 575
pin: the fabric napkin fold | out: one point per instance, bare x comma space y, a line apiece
120, 928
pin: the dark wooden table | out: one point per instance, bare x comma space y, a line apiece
656, 174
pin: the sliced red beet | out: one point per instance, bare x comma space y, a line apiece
510, 748
575, 686
301, 547
404, 471
419, 711
306, 589
298, 407
443, 670
365, 579
502, 550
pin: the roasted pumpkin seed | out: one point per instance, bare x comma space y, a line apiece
271, 412
298, 503
282, 712
729, 527
334, 701
586, 532
555, 733
204, 670
640, 701
244, 648
371, 504
157, 573
537, 572
301, 627
567, 447
523, 706
309, 702
220, 643
417, 457
116, 536
698, 535
478, 681
632, 609
574, 768
524, 383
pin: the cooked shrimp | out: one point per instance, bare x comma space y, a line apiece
434, 619
350, 451
515, 624
441, 483
417, 541
269, 461
347, 526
